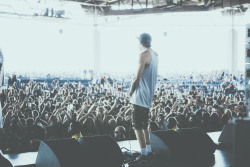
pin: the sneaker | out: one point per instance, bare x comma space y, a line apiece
142, 159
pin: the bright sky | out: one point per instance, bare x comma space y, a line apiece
193, 42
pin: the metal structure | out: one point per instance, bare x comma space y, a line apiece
132, 7
58, 8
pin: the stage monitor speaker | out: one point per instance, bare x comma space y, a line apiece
4, 162
198, 138
226, 137
166, 145
101, 151
185, 145
60, 153
241, 146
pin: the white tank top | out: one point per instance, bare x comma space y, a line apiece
145, 91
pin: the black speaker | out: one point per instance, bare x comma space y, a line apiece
4, 162
241, 144
226, 137
185, 145
101, 151
60, 153
166, 144
198, 145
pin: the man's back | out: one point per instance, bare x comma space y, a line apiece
144, 93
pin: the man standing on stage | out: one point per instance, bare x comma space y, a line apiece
142, 92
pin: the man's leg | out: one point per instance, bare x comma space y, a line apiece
147, 140
141, 120
146, 136
138, 124
141, 139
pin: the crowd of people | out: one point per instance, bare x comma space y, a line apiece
41, 111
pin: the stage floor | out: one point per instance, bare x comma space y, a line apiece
222, 158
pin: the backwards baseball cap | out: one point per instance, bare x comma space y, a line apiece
145, 39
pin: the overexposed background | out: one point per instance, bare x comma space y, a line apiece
185, 42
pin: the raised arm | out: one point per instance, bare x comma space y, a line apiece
113, 107
90, 111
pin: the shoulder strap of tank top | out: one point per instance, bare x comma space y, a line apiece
152, 53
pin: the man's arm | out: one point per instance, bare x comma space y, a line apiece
142, 63
90, 111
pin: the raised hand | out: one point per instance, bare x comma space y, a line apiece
92, 108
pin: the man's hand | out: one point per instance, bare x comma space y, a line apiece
133, 88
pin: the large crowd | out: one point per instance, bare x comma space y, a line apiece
38, 111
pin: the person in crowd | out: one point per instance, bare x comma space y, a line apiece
153, 126
161, 122
119, 133
172, 124
36, 111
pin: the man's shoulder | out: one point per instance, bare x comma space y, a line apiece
144, 54
155, 53
147, 52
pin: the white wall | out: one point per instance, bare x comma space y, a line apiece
194, 42
40, 47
